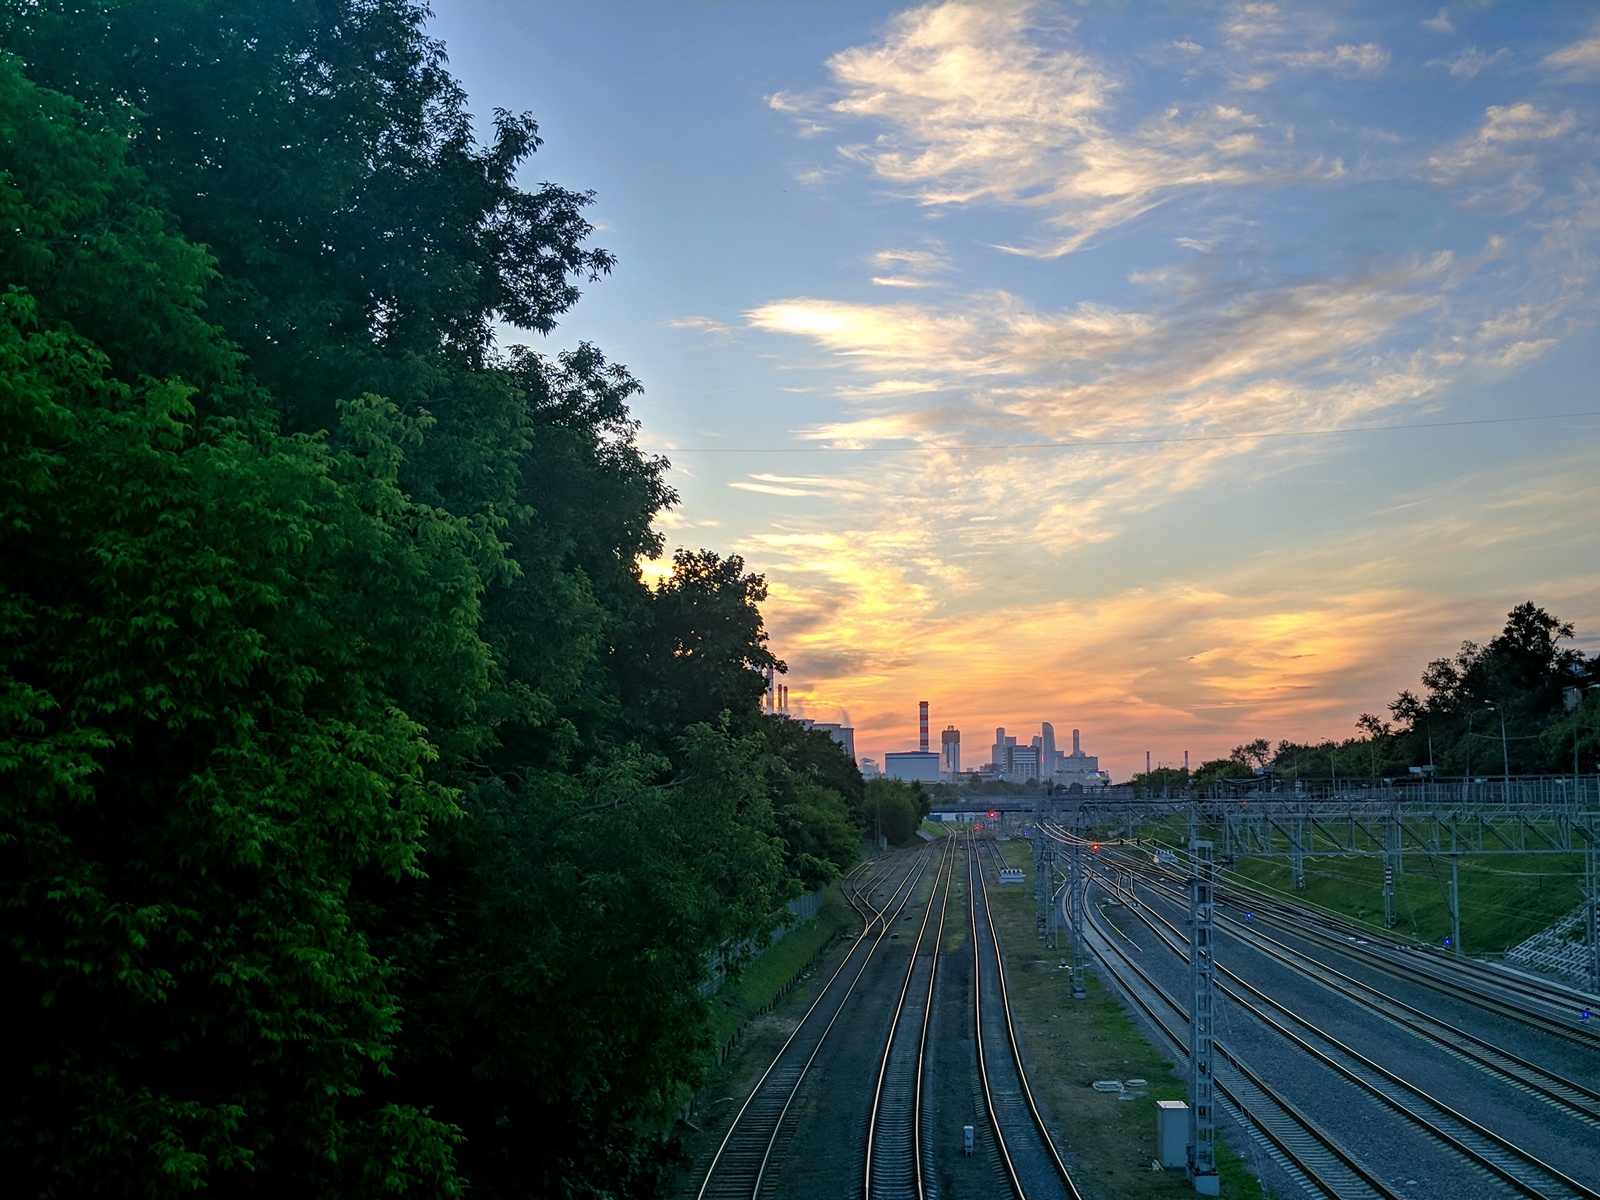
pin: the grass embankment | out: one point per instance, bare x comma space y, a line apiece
936, 828
1071, 1043
767, 978
1505, 898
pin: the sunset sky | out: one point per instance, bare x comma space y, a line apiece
1164, 371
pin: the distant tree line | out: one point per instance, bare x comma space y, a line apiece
1522, 703
366, 819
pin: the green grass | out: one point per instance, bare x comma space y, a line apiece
1504, 897
937, 828
764, 979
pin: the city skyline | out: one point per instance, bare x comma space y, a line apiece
1200, 370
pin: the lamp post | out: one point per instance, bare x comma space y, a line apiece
1466, 783
1505, 752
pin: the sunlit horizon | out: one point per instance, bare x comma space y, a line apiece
1184, 375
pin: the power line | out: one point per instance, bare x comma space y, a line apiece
1093, 444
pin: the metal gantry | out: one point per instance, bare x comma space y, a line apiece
1043, 852
1077, 897
1202, 1000
1591, 880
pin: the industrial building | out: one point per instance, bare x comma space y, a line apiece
1079, 769
912, 766
1042, 762
845, 735
919, 765
950, 753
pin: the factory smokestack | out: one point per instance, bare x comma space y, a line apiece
1075, 747
922, 718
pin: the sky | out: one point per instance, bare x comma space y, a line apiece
1183, 373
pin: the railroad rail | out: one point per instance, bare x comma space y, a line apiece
746, 1155
1478, 1144
1553, 1006
1303, 1149
894, 1164
1567, 1095
1028, 1155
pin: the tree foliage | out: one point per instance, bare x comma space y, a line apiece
895, 808
367, 820
1523, 702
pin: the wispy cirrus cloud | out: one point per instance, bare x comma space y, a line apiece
995, 104
1466, 64
1496, 168
1577, 62
700, 325
1279, 277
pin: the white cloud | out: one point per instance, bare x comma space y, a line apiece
1579, 61
1494, 169
995, 104
699, 324
1365, 59
1467, 63
1439, 22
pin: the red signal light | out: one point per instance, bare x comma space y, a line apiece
993, 814
1095, 846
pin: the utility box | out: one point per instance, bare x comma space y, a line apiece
1172, 1133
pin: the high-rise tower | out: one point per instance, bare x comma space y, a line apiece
950, 752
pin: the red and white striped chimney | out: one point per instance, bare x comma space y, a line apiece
922, 717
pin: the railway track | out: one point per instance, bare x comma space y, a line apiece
1544, 1005
1319, 1163
1479, 1145
747, 1156
896, 1161
1028, 1156
1568, 1096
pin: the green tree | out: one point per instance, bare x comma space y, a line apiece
441, 572
201, 628
895, 809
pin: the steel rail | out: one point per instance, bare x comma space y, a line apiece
898, 899
1473, 983
1016, 1049
1485, 1158
977, 1027
1288, 1128
1569, 1096
941, 892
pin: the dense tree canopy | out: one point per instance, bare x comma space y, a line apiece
1523, 702
366, 820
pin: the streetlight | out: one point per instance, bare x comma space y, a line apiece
1466, 783
1505, 753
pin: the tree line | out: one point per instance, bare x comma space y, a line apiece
366, 818
1522, 703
